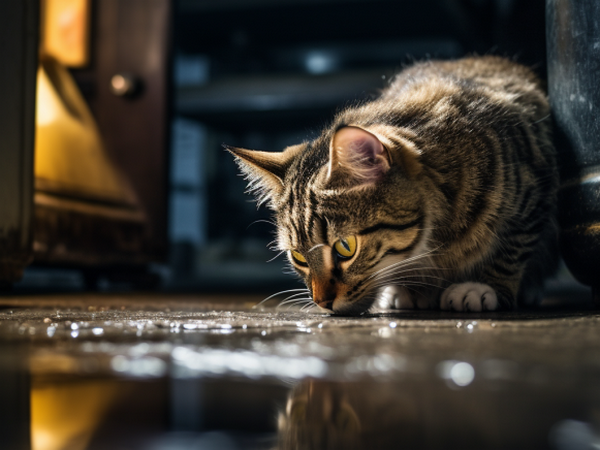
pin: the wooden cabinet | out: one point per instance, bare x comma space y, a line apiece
56, 221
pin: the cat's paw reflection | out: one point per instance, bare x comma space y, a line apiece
469, 297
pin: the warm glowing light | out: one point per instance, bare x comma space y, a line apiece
46, 107
65, 416
118, 82
69, 152
65, 31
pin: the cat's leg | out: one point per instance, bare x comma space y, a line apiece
395, 297
496, 287
400, 297
469, 296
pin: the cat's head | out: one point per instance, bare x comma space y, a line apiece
348, 206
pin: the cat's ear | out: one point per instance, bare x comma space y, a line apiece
356, 157
265, 171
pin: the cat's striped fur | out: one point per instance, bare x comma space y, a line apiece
448, 181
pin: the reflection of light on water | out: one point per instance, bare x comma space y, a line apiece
97, 331
376, 364
147, 366
459, 372
215, 362
66, 415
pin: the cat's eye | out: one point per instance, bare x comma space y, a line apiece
346, 247
298, 258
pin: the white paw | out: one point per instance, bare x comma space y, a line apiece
396, 297
469, 297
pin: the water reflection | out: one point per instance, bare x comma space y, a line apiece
460, 373
422, 414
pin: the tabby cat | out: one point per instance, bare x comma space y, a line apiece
439, 193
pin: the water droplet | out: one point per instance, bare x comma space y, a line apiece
393, 324
97, 331
74, 326
263, 333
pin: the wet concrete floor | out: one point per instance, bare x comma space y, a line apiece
158, 372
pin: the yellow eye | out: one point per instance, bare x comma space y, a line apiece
346, 248
298, 258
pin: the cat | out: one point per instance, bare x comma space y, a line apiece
440, 193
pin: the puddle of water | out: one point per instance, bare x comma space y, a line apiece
289, 380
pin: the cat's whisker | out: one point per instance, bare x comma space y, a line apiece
263, 221
305, 302
410, 269
277, 294
291, 305
294, 300
409, 283
403, 276
305, 307
294, 297
413, 259
276, 256
396, 266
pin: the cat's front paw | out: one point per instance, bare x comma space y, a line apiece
395, 297
469, 297
399, 297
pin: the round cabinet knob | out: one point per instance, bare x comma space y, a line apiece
125, 85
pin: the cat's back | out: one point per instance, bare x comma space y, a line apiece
500, 79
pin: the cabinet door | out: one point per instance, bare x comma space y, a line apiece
127, 88
18, 65
133, 38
